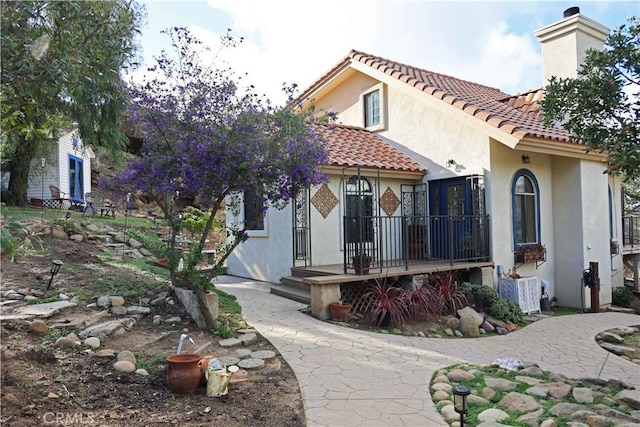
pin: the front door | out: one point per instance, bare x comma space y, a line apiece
449, 203
76, 179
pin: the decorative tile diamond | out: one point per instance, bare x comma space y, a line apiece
324, 200
389, 201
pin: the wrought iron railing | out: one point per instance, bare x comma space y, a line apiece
631, 231
379, 242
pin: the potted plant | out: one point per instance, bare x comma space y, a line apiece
339, 310
416, 236
361, 263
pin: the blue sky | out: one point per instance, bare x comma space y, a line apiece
297, 41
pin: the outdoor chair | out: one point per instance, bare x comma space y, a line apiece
59, 199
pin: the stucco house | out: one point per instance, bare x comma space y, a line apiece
68, 169
430, 172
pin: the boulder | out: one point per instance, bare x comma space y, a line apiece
469, 311
452, 323
469, 325
500, 384
493, 414
630, 398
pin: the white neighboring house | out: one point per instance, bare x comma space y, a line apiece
490, 182
68, 169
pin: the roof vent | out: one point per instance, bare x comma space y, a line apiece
571, 11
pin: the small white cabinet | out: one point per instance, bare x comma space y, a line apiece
524, 291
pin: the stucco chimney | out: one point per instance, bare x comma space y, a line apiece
564, 43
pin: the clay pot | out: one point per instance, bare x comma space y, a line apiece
339, 311
183, 373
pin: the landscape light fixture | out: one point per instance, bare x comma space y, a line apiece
460, 393
526, 159
55, 268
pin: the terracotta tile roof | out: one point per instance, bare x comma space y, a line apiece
516, 115
355, 146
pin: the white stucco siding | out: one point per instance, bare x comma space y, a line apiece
504, 165
267, 254
595, 207
617, 269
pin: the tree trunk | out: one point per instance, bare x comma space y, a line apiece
19, 169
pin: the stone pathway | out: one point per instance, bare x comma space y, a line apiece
350, 377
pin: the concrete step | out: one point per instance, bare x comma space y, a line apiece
292, 293
295, 282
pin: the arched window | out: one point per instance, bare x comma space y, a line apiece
359, 210
526, 209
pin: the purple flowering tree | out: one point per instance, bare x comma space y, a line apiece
208, 139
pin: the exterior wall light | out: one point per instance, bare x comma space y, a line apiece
55, 268
460, 393
526, 159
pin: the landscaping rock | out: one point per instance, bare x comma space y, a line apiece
500, 384
533, 371
556, 389
441, 379
104, 301
248, 339
549, 422
107, 352
469, 325
630, 398
117, 301
565, 408
126, 356
142, 372
488, 327
138, 310
448, 332
92, 342
458, 333
477, 399
442, 386
488, 392
492, 414
469, 311
458, 375
518, 402
495, 322
582, 394
532, 418
501, 331
124, 366
528, 380
449, 413
118, 310
537, 391
440, 395
65, 342
452, 323
39, 327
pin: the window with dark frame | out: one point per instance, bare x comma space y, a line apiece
372, 109
359, 210
253, 212
525, 209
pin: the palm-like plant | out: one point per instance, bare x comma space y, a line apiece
389, 303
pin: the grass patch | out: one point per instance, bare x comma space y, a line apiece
227, 303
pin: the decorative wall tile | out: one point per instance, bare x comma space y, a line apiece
389, 201
324, 200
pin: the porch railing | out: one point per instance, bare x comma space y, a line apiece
631, 231
396, 241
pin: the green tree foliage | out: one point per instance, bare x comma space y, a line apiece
61, 64
601, 107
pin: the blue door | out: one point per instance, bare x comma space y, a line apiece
76, 180
449, 209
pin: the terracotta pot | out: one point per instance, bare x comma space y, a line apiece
339, 311
183, 373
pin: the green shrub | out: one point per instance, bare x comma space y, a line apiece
621, 296
486, 299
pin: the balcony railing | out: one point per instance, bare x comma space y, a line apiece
396, 241
631, 231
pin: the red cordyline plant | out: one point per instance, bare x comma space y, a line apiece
446, 284
207, 139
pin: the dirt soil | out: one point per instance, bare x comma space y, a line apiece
44, 385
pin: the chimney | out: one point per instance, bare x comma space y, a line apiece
564, 44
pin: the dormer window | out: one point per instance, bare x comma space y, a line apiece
372, 109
